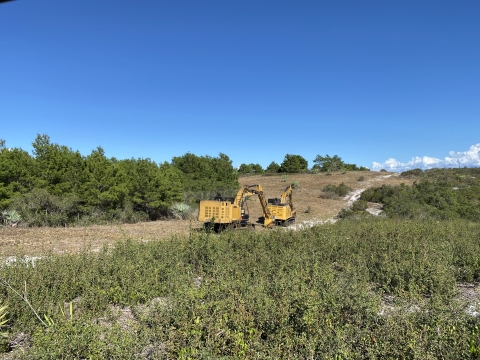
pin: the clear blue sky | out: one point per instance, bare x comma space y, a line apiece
366, 80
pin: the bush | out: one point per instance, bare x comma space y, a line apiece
40, 208
181, 211
10, 217
376, 288
361, 178
439, 195
360, 205
332, 191
412, 173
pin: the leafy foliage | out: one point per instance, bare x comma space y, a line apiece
440, 194
250, 169
10, 217
181, 210
273, 168
329, 163
205, 176
317, 293
294, 164
332, 191
58, 186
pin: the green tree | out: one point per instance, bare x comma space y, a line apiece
294, 164
328, 163
335, 163
16, 170
244, 169
250, 168
206, 175
100, 173
148, 187
273, 168
58, 168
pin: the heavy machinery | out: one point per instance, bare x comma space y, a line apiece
223, 212
282, 208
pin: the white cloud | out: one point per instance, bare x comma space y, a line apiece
469, 158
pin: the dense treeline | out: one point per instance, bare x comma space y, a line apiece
437, 193
57, 186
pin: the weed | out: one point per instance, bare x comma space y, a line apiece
313, 293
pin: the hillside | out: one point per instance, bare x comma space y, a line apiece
38, 241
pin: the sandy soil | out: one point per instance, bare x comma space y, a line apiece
41, 241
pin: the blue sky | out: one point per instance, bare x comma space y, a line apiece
365, 80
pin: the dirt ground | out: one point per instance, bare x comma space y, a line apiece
41, 241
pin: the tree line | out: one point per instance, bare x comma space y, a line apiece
57, 186
298, 164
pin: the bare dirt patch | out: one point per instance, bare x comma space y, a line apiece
41, 241
307, 196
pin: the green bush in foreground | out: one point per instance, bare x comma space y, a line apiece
376, 289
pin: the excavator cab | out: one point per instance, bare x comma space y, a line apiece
274, 201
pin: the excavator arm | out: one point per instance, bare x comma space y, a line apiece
268, 218
287, 193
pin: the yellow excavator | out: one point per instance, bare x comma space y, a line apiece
224, 212
282, 208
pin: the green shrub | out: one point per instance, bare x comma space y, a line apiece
332, 191
439, 195
360, 205
376, 288
412, 173
181, 211
10, 217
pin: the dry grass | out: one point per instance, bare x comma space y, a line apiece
39, 241
310, 188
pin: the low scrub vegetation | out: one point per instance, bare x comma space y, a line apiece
376, 288
332, 191
439, 194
